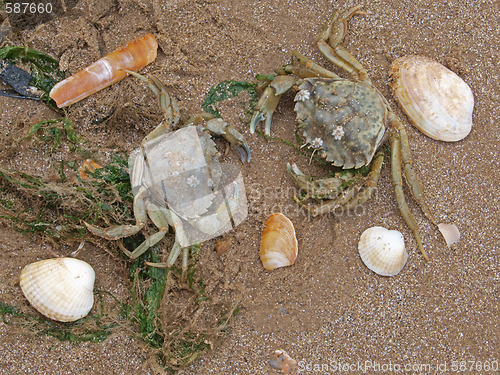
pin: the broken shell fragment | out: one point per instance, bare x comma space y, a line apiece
60, 288
223, 245
450, 233
282, 362
436, 100
383, 250
278, 247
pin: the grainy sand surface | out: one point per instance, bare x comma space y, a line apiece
327, 310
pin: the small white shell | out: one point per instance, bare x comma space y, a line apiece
450, 233
383, 250
436, 100
278, 247
60, 288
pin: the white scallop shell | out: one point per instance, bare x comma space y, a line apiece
278, 247
383, 250
60, 288
436, 100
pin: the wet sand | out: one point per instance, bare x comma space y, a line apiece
327, 310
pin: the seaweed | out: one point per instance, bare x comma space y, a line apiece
44, 69
229, 89
53, 130
57, 209
93, 327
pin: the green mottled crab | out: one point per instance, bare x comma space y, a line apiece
344, 121
180, 173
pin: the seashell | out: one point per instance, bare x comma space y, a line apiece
60, 288
383, 250
278, 247
133, 56
450, 233
436, 100
282, 362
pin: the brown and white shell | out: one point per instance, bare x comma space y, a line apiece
383, 250
60, 288
436, 100
278, 247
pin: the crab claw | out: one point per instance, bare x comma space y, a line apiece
264, 110
269, 101
222, 128
244, 151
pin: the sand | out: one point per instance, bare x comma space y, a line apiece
328, 311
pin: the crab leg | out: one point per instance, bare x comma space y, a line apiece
334, 31
221, 128
168, 105
397, 181
311, 66
218, 126
116, 232
174, 254
320, 188
350, 199
411, 177
370, 184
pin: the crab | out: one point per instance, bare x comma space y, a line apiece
344, 121
176, 181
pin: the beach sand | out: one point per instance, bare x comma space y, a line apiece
328, 309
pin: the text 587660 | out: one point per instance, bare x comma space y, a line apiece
19, 8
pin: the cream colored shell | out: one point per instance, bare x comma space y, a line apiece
278, 247
60, 288
450, 233
436, 100
382, 250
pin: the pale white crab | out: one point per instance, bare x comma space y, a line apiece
178, 182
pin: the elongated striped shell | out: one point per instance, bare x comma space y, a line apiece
383, 250
133, 56
60, 288
278, 247
436, 100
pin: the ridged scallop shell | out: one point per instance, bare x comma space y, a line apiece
60, 288
436, 100
383, 250
278, 247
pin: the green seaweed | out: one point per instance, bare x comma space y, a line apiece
58, 209
53, 130
147, 300
90, 328
43, 68
228, 89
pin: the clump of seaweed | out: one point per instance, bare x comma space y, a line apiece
228, 89
53, 130
44, 69
58, 209
95, 327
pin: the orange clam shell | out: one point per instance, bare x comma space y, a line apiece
278, 247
